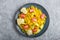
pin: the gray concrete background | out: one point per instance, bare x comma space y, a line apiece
8, 9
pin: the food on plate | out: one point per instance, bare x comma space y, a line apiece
22, 15
20, 21
29, 32
31, 20
23, 10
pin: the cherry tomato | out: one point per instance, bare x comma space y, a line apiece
42, 16
34, 19
31, 10
34, 30
22, 15
26, 26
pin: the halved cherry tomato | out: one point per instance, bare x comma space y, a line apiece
31, 10
34, 30
42, 16
34, 19
22, 15
26, 26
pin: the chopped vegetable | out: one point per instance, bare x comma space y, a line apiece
38, 30
23, 10
34, 30
31, 10
29, 32
42, 16
22, 15
25, 26
34, 19
20, 21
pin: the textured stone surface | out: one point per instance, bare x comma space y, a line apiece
8, 9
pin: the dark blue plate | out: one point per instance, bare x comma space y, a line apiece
43, 10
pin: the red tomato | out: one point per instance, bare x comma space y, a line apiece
34, 30
31, 10
22, 15
42, 16
25, 26
34, 19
